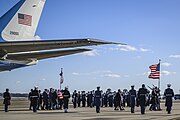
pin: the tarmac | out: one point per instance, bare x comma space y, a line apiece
20, 112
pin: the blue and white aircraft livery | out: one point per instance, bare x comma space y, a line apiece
18, 45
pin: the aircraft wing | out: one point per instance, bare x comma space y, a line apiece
42, 55
24, 46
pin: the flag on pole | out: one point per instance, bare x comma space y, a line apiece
155, 71
61, 77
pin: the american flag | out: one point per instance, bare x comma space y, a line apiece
155, 71
24, 19
61, 77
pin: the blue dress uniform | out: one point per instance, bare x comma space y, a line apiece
45, 99
74, 98
66, 95
83, 99
168, 93
142, 98
7, 98
98, 99
35, 98
132, 94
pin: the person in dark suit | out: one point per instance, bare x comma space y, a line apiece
168, 93
7, 98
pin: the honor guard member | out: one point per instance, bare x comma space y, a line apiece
66, 96
110, 98
7, 98
117, 100
142, 98
105, 99
98, 99
91, 99
102, 99
168, 93
45, 99
40, 101
83, 99
154, 100
158, 99
132, 94
30, 99
79, 99
74, 98
35, 98
87, 95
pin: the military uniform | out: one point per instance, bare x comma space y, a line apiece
168, 93
7, 98
117, 101
158, 99
142, 98
83, 99
40, 100
110, 99
45, 99
79, 99
35, 98
66, 96
105, 100
98, 99
132, 94
30, 99
91, 99
74, 98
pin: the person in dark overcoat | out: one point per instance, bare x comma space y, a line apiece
7, 98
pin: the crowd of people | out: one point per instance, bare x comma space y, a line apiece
53, 99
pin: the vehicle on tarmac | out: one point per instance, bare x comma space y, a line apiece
177, 97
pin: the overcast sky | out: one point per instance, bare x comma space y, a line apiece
151, 30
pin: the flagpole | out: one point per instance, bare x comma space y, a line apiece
159, 83
60, 84
60, 81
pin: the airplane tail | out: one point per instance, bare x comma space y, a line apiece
20, 22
